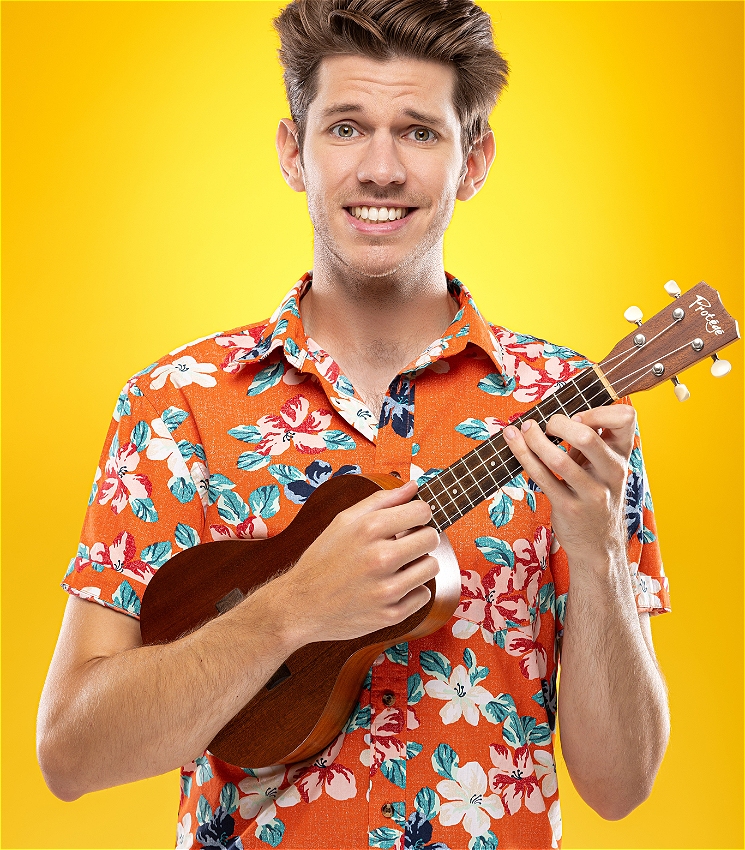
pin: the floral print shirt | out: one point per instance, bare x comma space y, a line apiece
451, 742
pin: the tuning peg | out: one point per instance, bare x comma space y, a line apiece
633, 315
719, 368
672, 289
681, 390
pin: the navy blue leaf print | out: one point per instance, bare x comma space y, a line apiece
417, 832
317, 473
398, 407
634, 503
218, 832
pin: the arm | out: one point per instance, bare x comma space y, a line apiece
114, 711
612, 699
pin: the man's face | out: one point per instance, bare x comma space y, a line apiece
382, 163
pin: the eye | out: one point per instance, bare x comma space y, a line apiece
422, 134
344, 131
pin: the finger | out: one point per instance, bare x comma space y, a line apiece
617, 423
397, 508
419, 542
602, 453
532, 464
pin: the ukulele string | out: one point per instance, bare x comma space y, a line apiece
631, 352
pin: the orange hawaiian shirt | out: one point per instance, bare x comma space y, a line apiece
451, 743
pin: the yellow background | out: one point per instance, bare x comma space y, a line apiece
143, 208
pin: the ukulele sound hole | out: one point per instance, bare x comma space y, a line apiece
280, 676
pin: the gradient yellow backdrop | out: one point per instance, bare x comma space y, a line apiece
143, 207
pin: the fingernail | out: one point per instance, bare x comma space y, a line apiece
525, 425
510, 433
577, 418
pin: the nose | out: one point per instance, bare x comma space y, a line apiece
381, 163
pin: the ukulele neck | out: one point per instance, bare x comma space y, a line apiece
453, 492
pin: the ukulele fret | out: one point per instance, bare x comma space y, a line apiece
479, 474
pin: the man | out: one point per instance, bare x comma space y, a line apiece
379, 362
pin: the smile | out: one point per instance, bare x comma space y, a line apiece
378, 213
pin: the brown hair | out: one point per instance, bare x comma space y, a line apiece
455, 32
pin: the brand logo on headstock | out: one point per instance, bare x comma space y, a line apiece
700, 306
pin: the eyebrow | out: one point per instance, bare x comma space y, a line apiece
347, 108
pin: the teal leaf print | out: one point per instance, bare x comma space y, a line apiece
338, 440
547, 597
636, 463
561, 607
500, 638
186, 536
246, 433
647, 536
183, 489
204, 770
394, 771
135, 390
344, 386
648, 501
114, 450
217, 484
435, 664
445, 761
464, 331
70, 567
232, 508
140, 435
499, 708
125, 597
186, 449
496, 551
540, 733
427, 803
266, 379
488, 841
172, 417
475, 673
501, 510
383, 837
290, 306
413, 749
428, 476
264, 501
474, 429
285, 474
204, 810
292, 350
186, 783
539, 698
415, 689
144, 509
398, 654
123, 407
157, 553
497, 384
415, 449
360, 719
200, 452
530, 499
229, 798
251, 461
512, 730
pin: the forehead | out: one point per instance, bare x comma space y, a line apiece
384, 88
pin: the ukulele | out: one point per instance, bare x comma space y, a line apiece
326, 677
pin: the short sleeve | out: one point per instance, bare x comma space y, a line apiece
146, 503
643, 550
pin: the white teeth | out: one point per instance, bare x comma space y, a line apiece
378, 213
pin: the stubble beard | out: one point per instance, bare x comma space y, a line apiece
371, 279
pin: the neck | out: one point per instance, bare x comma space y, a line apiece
377, 324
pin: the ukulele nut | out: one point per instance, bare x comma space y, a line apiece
658, 369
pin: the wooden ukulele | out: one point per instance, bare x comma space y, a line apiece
326, 677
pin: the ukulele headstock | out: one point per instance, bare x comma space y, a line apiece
695, 326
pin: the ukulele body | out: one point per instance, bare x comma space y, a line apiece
307, 702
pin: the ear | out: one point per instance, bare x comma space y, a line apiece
477, 166
289, 155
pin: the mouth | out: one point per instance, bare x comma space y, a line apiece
369, 214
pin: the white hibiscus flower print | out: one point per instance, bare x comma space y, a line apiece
182, 372
468, 800
463, 698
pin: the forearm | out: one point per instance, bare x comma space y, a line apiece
613, 715
150, 709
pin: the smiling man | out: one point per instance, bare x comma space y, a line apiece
377, 362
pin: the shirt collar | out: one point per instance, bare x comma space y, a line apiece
284, 330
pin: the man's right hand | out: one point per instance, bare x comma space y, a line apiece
365, 571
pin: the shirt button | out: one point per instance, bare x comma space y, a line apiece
389, 698
395, 474
387, 810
